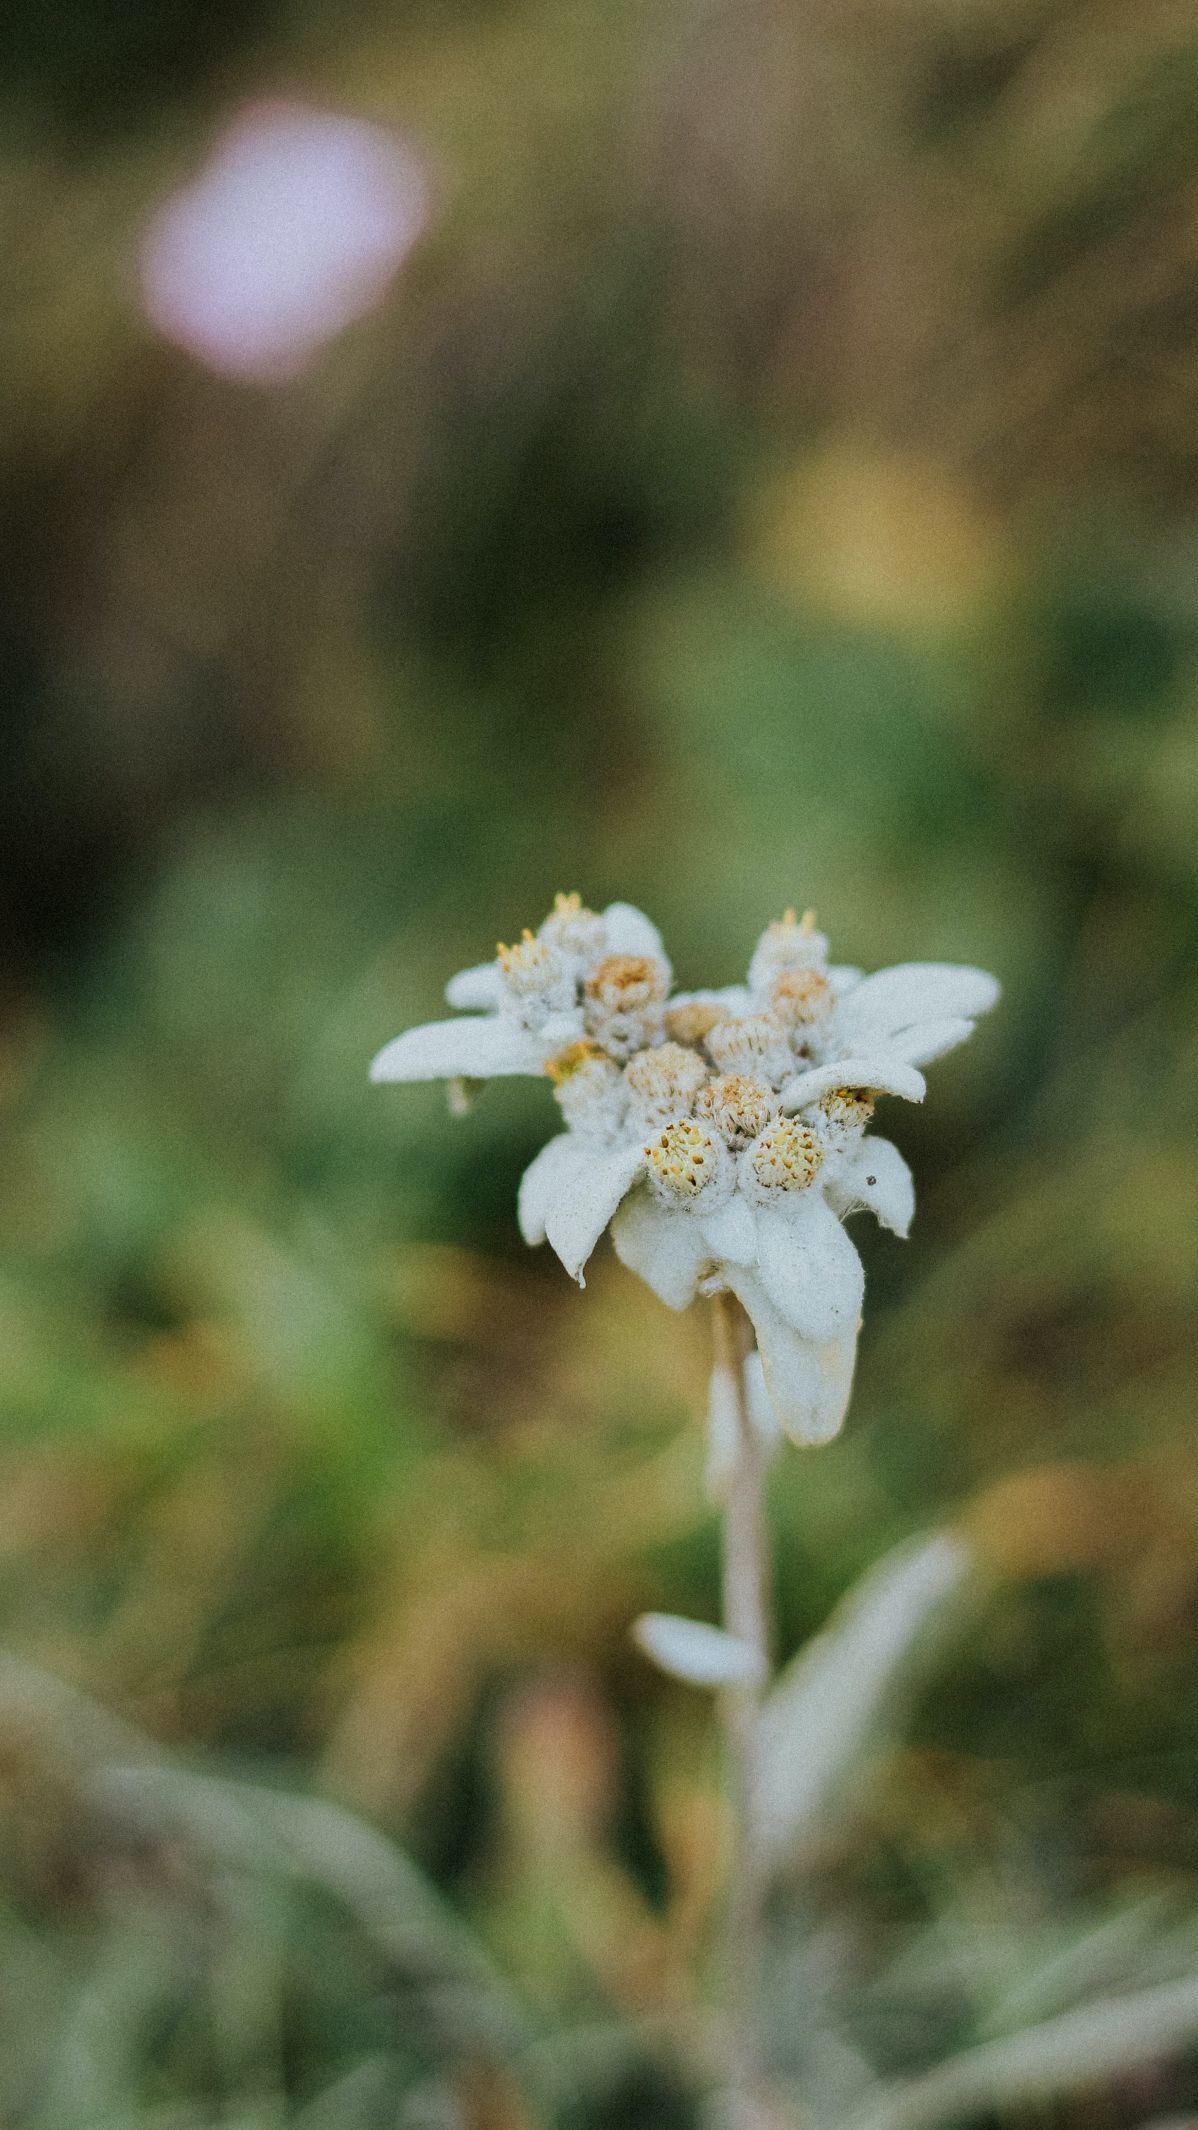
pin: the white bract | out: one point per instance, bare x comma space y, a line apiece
700, 1655
723, 1135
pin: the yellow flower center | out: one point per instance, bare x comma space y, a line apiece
572, 1060
683, 1160
693, 1021
786, 1157
624, 982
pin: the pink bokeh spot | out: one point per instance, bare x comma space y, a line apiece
293, 229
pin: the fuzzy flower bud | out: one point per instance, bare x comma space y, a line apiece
737, 1107
693, 1019
842, 1116
790, 943
801, 999
589, 1090
536, 980
753, 1043
625, 996
577, 933
662, 1083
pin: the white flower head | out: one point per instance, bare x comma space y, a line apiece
662, 1083
589, 1089
575, 931
624, 1002
687, 1167
784, 1159
842, 1116
723, 1135
536, 980
803, 1000
754, 1043
738, 1105
790, 944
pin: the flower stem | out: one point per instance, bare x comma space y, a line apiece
746, 1580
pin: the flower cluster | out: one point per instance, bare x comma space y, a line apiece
723, 1135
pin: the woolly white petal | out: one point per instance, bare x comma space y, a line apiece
666, 1250
629, 931
558, 1032
544, 1180
809, 1268
844, 977
475, 990
875, 1176
580, 1211
929, 1040
808, 1382
701, 1655
836, 1704
482, 1046
894, 999
732, 1232
879, 1068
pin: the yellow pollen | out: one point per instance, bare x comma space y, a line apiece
575, 930
517, 956
790, 921
623, 980
801, 995
683, 1160
572, 1060
786, 1157
691, 1023
849, 1107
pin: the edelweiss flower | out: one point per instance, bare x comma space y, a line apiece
723, 1135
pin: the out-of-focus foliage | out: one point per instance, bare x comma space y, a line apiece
775, 480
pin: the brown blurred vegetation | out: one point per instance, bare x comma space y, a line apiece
775, 479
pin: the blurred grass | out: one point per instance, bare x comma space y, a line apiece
774, 481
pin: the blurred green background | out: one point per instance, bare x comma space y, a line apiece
773, 479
